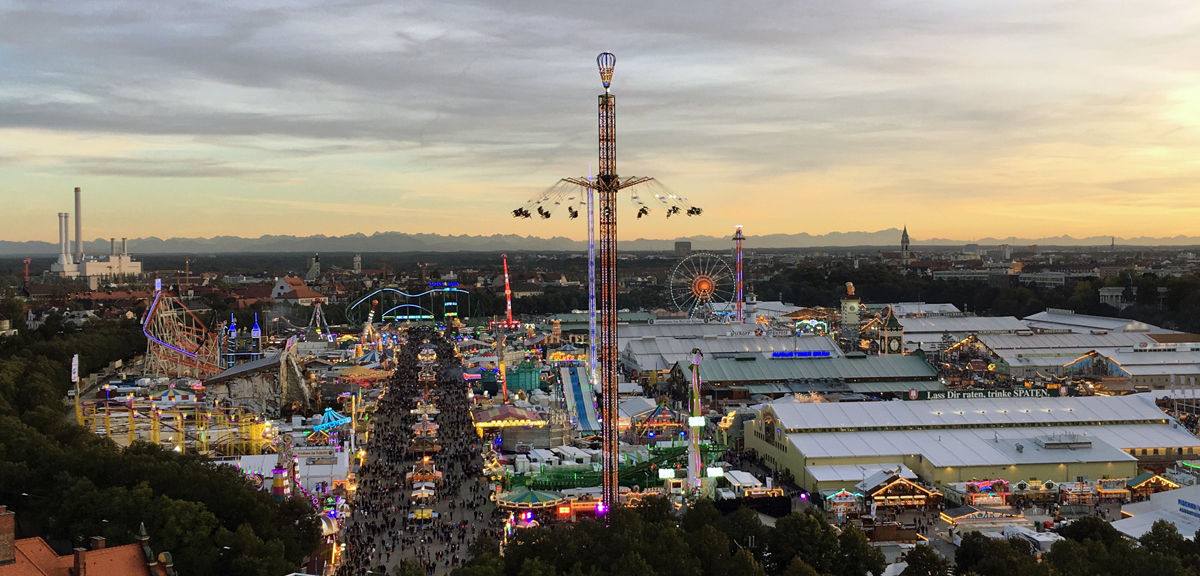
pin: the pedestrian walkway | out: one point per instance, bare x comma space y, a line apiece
390, 523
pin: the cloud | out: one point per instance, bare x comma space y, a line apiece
166, 168
939, 101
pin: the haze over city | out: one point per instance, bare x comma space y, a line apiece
960, 120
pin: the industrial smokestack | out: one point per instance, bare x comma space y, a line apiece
64, 251
124, 246
78, 226
112, 246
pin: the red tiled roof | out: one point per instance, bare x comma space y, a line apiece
254, 291
35, 558
301, 292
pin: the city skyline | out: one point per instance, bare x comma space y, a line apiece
959, 121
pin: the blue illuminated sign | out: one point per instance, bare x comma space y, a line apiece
802, 354
442, 284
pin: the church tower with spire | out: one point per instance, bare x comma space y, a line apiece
905, 255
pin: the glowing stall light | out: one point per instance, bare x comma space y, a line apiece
601, 509
696, 421
666, 473
714, 472
802, 354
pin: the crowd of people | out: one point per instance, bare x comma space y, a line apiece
390, 522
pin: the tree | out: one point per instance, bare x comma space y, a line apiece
1091, 528
536, 567
630, 563
1079, 558
711, 547
990, 557
702, 513
923, 560
1163, 538
744, 528
743, 563
805, 535
14, 310
856, 557
798, 567
655, 509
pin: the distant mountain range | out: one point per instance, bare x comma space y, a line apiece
402, 242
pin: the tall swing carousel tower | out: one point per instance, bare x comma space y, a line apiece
605, 187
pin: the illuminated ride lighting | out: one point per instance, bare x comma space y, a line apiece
331, 424
146, 329
406, 294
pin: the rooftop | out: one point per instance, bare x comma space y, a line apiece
975, 324
990, 446
961, 413
1055, 318
870, 368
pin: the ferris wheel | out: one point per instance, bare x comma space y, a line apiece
702, 285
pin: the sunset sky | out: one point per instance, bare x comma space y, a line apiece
958, 119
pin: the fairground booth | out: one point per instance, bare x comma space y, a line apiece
889, 489
506, 416
979, 493
1143, 485
842, 503
527, 507
1112, 490
1077, 493
977, 519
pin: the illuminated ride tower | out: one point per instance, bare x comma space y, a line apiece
737, 296
605, 187
695, 469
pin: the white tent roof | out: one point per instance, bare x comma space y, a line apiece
855, 472
963, 412
662, 353
960, 324
1054, 318
1180, 507
991, 446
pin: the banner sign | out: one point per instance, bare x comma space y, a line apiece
987, 393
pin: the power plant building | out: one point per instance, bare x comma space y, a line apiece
72, 263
